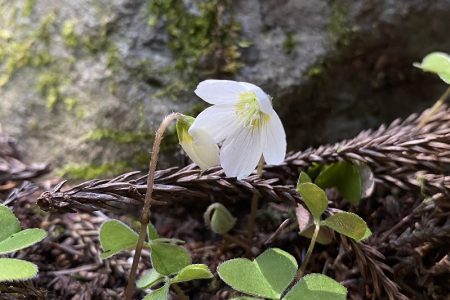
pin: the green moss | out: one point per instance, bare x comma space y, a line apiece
315, 71
203, 43
68, 34
289, 43
339, 28
121, 137
28, 7
92, 171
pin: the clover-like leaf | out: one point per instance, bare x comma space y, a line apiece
148, 279
345, 177
266, 276
22, 239
221, 220
314, 197
168, 259
303, 178
348, 224
115, 236
317, 286
193, 272
159, 294
9, 224
151, 232
12, 269
245, 298
436, 62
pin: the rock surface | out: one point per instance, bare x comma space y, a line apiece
87, 82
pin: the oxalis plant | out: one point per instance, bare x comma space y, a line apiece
240, 131
12, 239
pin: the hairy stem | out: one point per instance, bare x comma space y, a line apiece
434, 108
145, 216
254, 209
310, 250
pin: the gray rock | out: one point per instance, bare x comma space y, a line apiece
333, 68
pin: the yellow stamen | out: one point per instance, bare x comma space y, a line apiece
247, 109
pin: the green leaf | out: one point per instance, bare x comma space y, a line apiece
8, 223
303, 178
314, 197
245, 298
436, 62
345, 177
22, 239
115, 236
168, 259
159, 294
221, 221
12, 269
266, 276
348, 224
151, 232
317, 287
148, 279
367, 234
193, 272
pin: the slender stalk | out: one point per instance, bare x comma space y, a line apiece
434, 108
254, 209
309, 251
145, 216
181, 295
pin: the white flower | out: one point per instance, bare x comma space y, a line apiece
197, 143
243, 118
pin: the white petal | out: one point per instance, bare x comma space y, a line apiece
219, 91
274, 140
240, 153
265, 104
220, 121
202, 149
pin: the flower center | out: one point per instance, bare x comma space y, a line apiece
248, 111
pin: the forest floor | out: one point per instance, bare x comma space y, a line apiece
407, 257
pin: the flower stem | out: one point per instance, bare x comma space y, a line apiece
434, 108
254, 209
309, 251
145, 215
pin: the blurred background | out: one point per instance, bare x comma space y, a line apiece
83, 84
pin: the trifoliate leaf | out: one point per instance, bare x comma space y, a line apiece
266, 276
12, 269
193, 272
148, 279
9, 224
115, 236
345, 177
151, 232
314, 197
348, 224
303, 178
159, 294
436, 62
317, 287
168, 259
22, 239
221, 220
